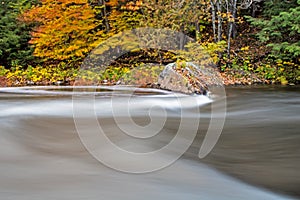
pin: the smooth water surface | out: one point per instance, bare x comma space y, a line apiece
42, 157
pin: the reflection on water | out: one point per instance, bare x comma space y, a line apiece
42, 157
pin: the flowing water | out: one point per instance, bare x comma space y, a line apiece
256, 157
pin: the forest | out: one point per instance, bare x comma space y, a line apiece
44, 42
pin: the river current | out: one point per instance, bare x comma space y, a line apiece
256, 157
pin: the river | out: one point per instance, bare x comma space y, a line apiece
256, 157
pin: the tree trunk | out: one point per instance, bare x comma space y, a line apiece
213, 19
104, 14
197, 27
231, 24
234, 13
219, 9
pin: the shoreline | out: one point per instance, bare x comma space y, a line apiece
228, 81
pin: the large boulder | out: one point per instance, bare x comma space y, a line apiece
188, 78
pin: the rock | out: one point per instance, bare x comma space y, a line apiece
105, 82
188, 78
61, 83
170, 79
29, 83
3, 81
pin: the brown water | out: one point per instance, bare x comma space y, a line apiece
257, 156
260, 142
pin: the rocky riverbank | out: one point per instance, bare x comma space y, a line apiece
187, 78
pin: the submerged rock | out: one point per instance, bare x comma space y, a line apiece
188, 78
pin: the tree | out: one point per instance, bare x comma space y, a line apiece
231, 10
66, 30
274, 7
123, 15
281, 33
188, 16
14, 35
223, 12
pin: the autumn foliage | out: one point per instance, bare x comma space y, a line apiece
66, 29
61, 33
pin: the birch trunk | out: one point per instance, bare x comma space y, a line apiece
213, 19
232, 23
219, 10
